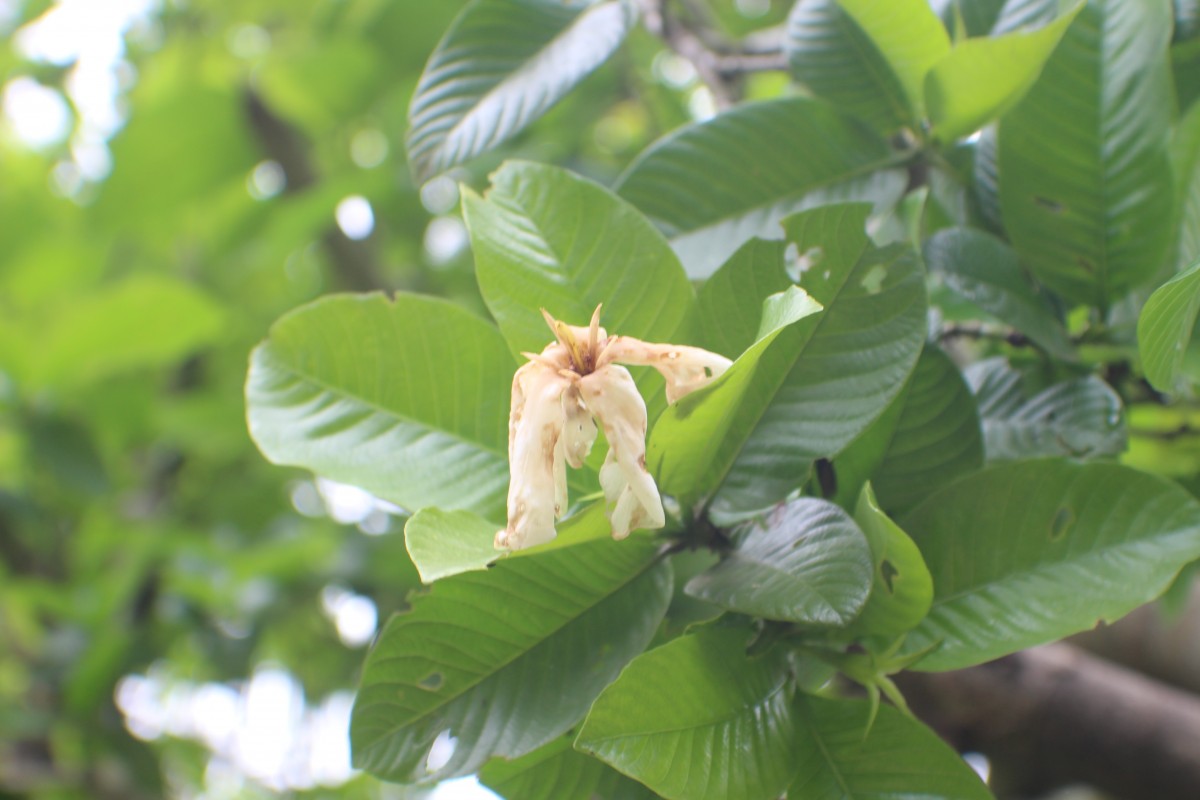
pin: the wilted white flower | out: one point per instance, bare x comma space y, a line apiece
557, 399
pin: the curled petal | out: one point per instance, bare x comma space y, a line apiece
631, 494
685, 368
537, 488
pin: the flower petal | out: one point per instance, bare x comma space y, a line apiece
631, 494
537, 488
685, 368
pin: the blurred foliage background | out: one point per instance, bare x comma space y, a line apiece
177, 617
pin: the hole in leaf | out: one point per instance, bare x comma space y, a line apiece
1062, 523
432, 682
888, 572
441, 751
708, 372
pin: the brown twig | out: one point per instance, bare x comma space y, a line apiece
720, 67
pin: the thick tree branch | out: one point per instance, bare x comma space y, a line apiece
354, 267
1055, 715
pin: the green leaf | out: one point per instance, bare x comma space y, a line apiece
1165, 328
981, 79
731, 301
500, 66
1062, 547
937, 437
142, 321
899, 759
545, 238
807, 562
506, 660
909, 36
902, 590
683, 717
694, 441
558, 772
834, 57
407, 398
977, 16
1080, 418
822, 381
985, 271
713, 185
1085, 180
443, 543
1185, 162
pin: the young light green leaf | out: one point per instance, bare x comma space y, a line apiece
506, 660
834, 57
1081, 418
986, 272
544, 238
731, 301
937, 437
981, 79
902, 589
559, 772
898, 759
806, 562
693, 441
1062, 547
1165, 328
443, 543
909, 36
407, 398
714, 185
683, 717
826, 379
1085, 182
500, 66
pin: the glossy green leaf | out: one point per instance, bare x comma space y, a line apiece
731, 301
714, 185
806, 562
902, 589
1085, 181
982, 78
977, 16
834, 57
142, 321
985, 271
823, 380
407, 398
546, 238
559, 772
683, 717
500, 66
1031, 551
1081, 418
506, 660
1165, 327
898, 759
937, 437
